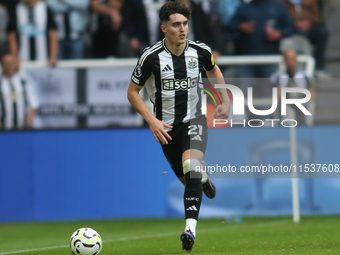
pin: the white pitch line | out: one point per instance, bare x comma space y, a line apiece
106, 241
145, 237
36, 249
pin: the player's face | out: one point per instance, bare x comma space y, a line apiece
8, 65
31, 2
176, 29
290, 57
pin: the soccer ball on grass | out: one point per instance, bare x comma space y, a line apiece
85, 241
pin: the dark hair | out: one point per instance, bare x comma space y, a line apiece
173, 7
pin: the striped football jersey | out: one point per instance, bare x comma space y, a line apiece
172, 82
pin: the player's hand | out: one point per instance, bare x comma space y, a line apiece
248, 27
216, 53
303, 25
274, 35
135, 44
222, 111
157, 129
116, 20
52, 61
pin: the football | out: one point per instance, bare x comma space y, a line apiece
85, 241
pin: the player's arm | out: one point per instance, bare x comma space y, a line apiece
156, 126
113, 10
54, 47
216, 77
12, 34
32, 100
98, 7
13, 44
53, 38
30, 116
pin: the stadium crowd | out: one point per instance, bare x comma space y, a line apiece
78, 29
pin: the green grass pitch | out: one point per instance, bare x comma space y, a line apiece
262, 235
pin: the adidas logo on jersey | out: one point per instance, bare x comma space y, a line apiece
196, 138
166, 68
192, 208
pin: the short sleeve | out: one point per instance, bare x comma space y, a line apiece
143, 70
12, 24
208, 58
51, 25
32, 97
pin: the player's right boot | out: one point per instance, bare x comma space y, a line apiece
188, 240
209, 188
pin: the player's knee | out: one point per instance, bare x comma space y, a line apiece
191, 165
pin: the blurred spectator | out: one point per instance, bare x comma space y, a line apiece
227, 10
321, 5
260, 25
307, 19
142, 25
18, 103
152, 8
106, 26
210, 7
70, 18
3, 26
9, 2
136, 26
200, 28
293, 77
32, 32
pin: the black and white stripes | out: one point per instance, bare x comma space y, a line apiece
16, 98
172, 81
32, 26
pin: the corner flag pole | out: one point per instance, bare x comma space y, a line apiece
294, 173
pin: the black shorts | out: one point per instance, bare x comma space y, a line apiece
190, 135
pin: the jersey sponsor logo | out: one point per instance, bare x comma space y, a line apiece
192, 64
175, 84
138, 71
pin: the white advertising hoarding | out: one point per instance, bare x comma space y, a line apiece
91, 97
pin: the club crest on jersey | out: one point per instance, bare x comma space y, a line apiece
192, 64
176, 84
138, 71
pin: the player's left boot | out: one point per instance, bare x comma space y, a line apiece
188, 240
209, 188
